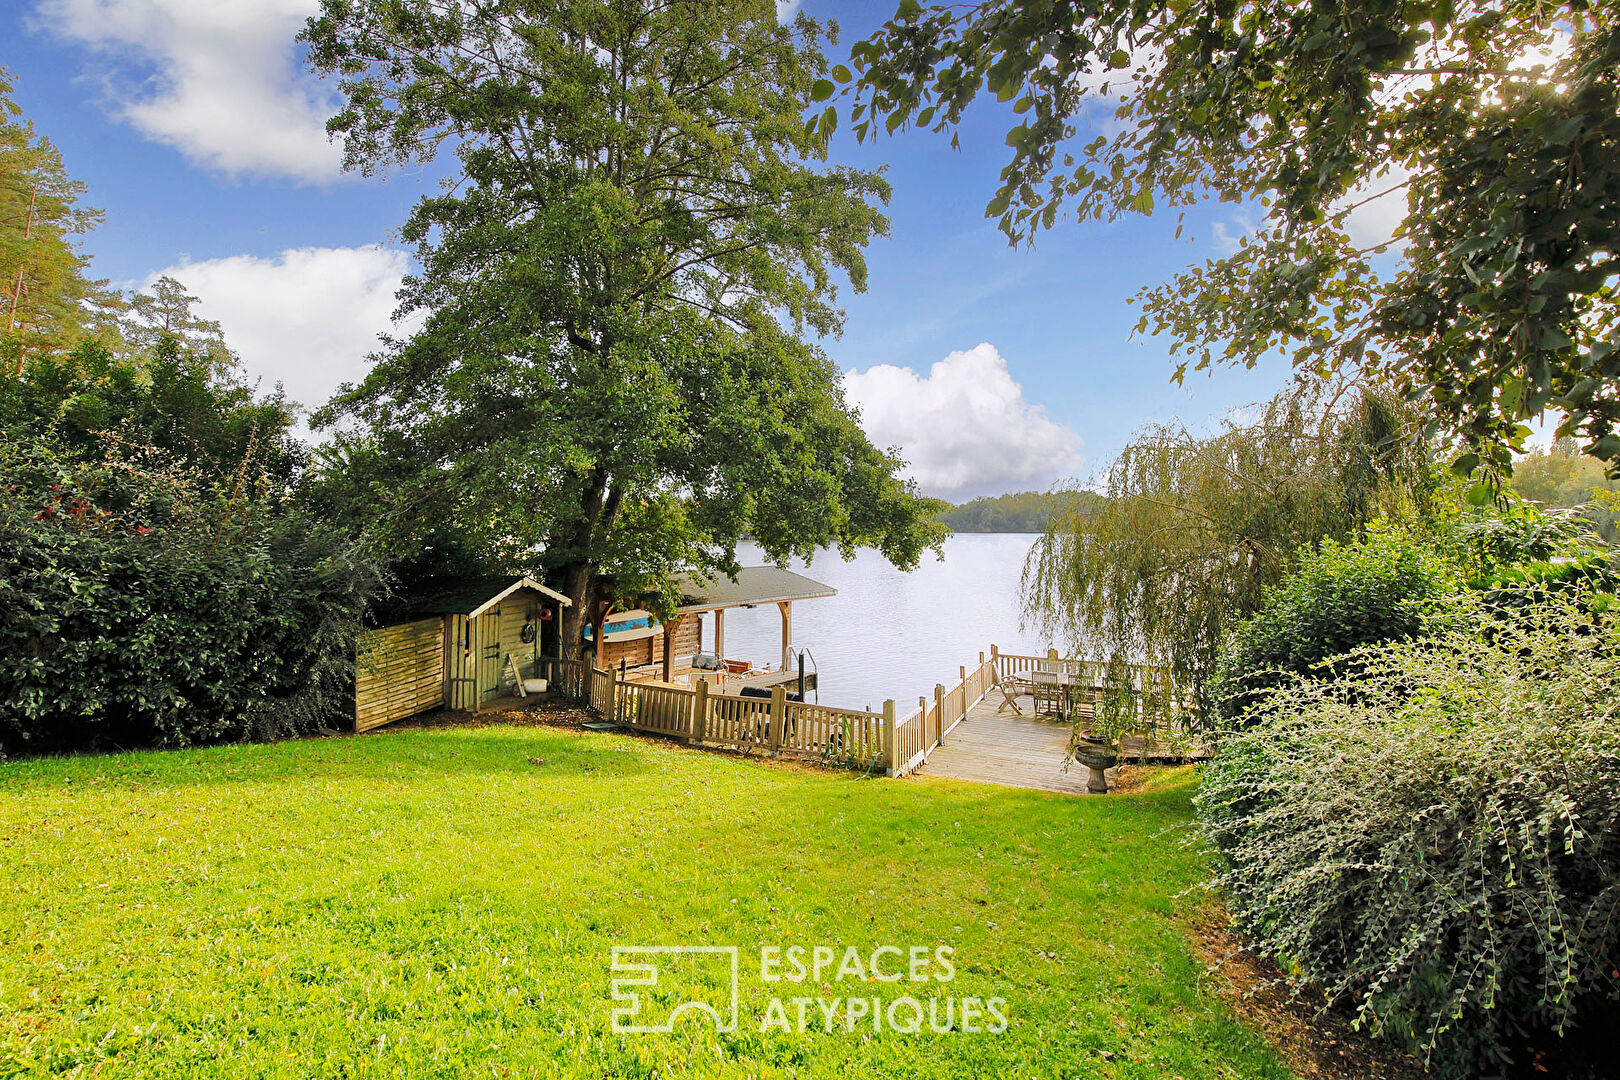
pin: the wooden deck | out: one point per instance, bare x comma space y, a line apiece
991, 747
1016, 751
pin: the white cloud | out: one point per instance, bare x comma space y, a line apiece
219, 80
1383, 208
786, 9
306, 319
1229, 235
965, 428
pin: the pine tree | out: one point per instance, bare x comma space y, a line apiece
47, 301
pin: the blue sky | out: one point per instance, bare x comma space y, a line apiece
198, 134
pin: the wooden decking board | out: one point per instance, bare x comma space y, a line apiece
1001, 747
1015, 751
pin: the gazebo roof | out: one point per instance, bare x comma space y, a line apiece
753, 585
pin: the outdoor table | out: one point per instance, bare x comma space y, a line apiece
1070, 682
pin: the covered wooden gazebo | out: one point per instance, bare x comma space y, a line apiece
752, 587
646, 647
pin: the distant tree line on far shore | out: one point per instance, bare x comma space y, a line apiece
1017, 512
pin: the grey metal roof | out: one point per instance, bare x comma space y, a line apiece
754, 585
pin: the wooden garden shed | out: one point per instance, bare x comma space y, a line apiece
457, 643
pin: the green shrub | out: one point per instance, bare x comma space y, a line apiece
139, 606
1388, 586
1437, 840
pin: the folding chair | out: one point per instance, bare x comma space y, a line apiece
1010, 689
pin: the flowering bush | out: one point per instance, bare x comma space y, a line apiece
140, 606
1437, 839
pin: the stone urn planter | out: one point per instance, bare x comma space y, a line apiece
1097, 756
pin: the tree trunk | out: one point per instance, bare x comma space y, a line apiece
599, 505
573, 581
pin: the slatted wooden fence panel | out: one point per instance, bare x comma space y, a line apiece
854, 736
398, 672
666, 710
742, 723
910, 743
600, 691
567, 677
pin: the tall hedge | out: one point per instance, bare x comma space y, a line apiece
141, 605
1390, 585
1436, 841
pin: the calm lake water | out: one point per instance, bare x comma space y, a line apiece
893, 635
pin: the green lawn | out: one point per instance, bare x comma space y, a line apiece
443, 903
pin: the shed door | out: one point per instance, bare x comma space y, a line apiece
491, 657
399, 671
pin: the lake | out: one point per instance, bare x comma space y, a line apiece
889, 634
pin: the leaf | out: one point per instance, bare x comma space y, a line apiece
1465, 465
1119, 59
842, 73
822, 89
1481, 494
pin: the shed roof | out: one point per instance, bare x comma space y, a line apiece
753, 585
471, 596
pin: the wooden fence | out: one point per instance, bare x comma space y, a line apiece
703, 716
925, 730
398, 672
852, 737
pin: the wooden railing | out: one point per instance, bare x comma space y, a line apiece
666, 710
924, 731
856, 738
567, 677
1018, 666
1149, 690
851, 737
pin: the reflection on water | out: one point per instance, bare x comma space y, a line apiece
888, 634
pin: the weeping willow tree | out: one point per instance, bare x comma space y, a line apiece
1192, 530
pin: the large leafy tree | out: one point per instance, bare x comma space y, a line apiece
611, 378
1497, 119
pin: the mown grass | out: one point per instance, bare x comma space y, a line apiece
443, 902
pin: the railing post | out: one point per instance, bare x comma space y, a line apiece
778, 716
890, 750
939, 714
995, 662
700, 710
